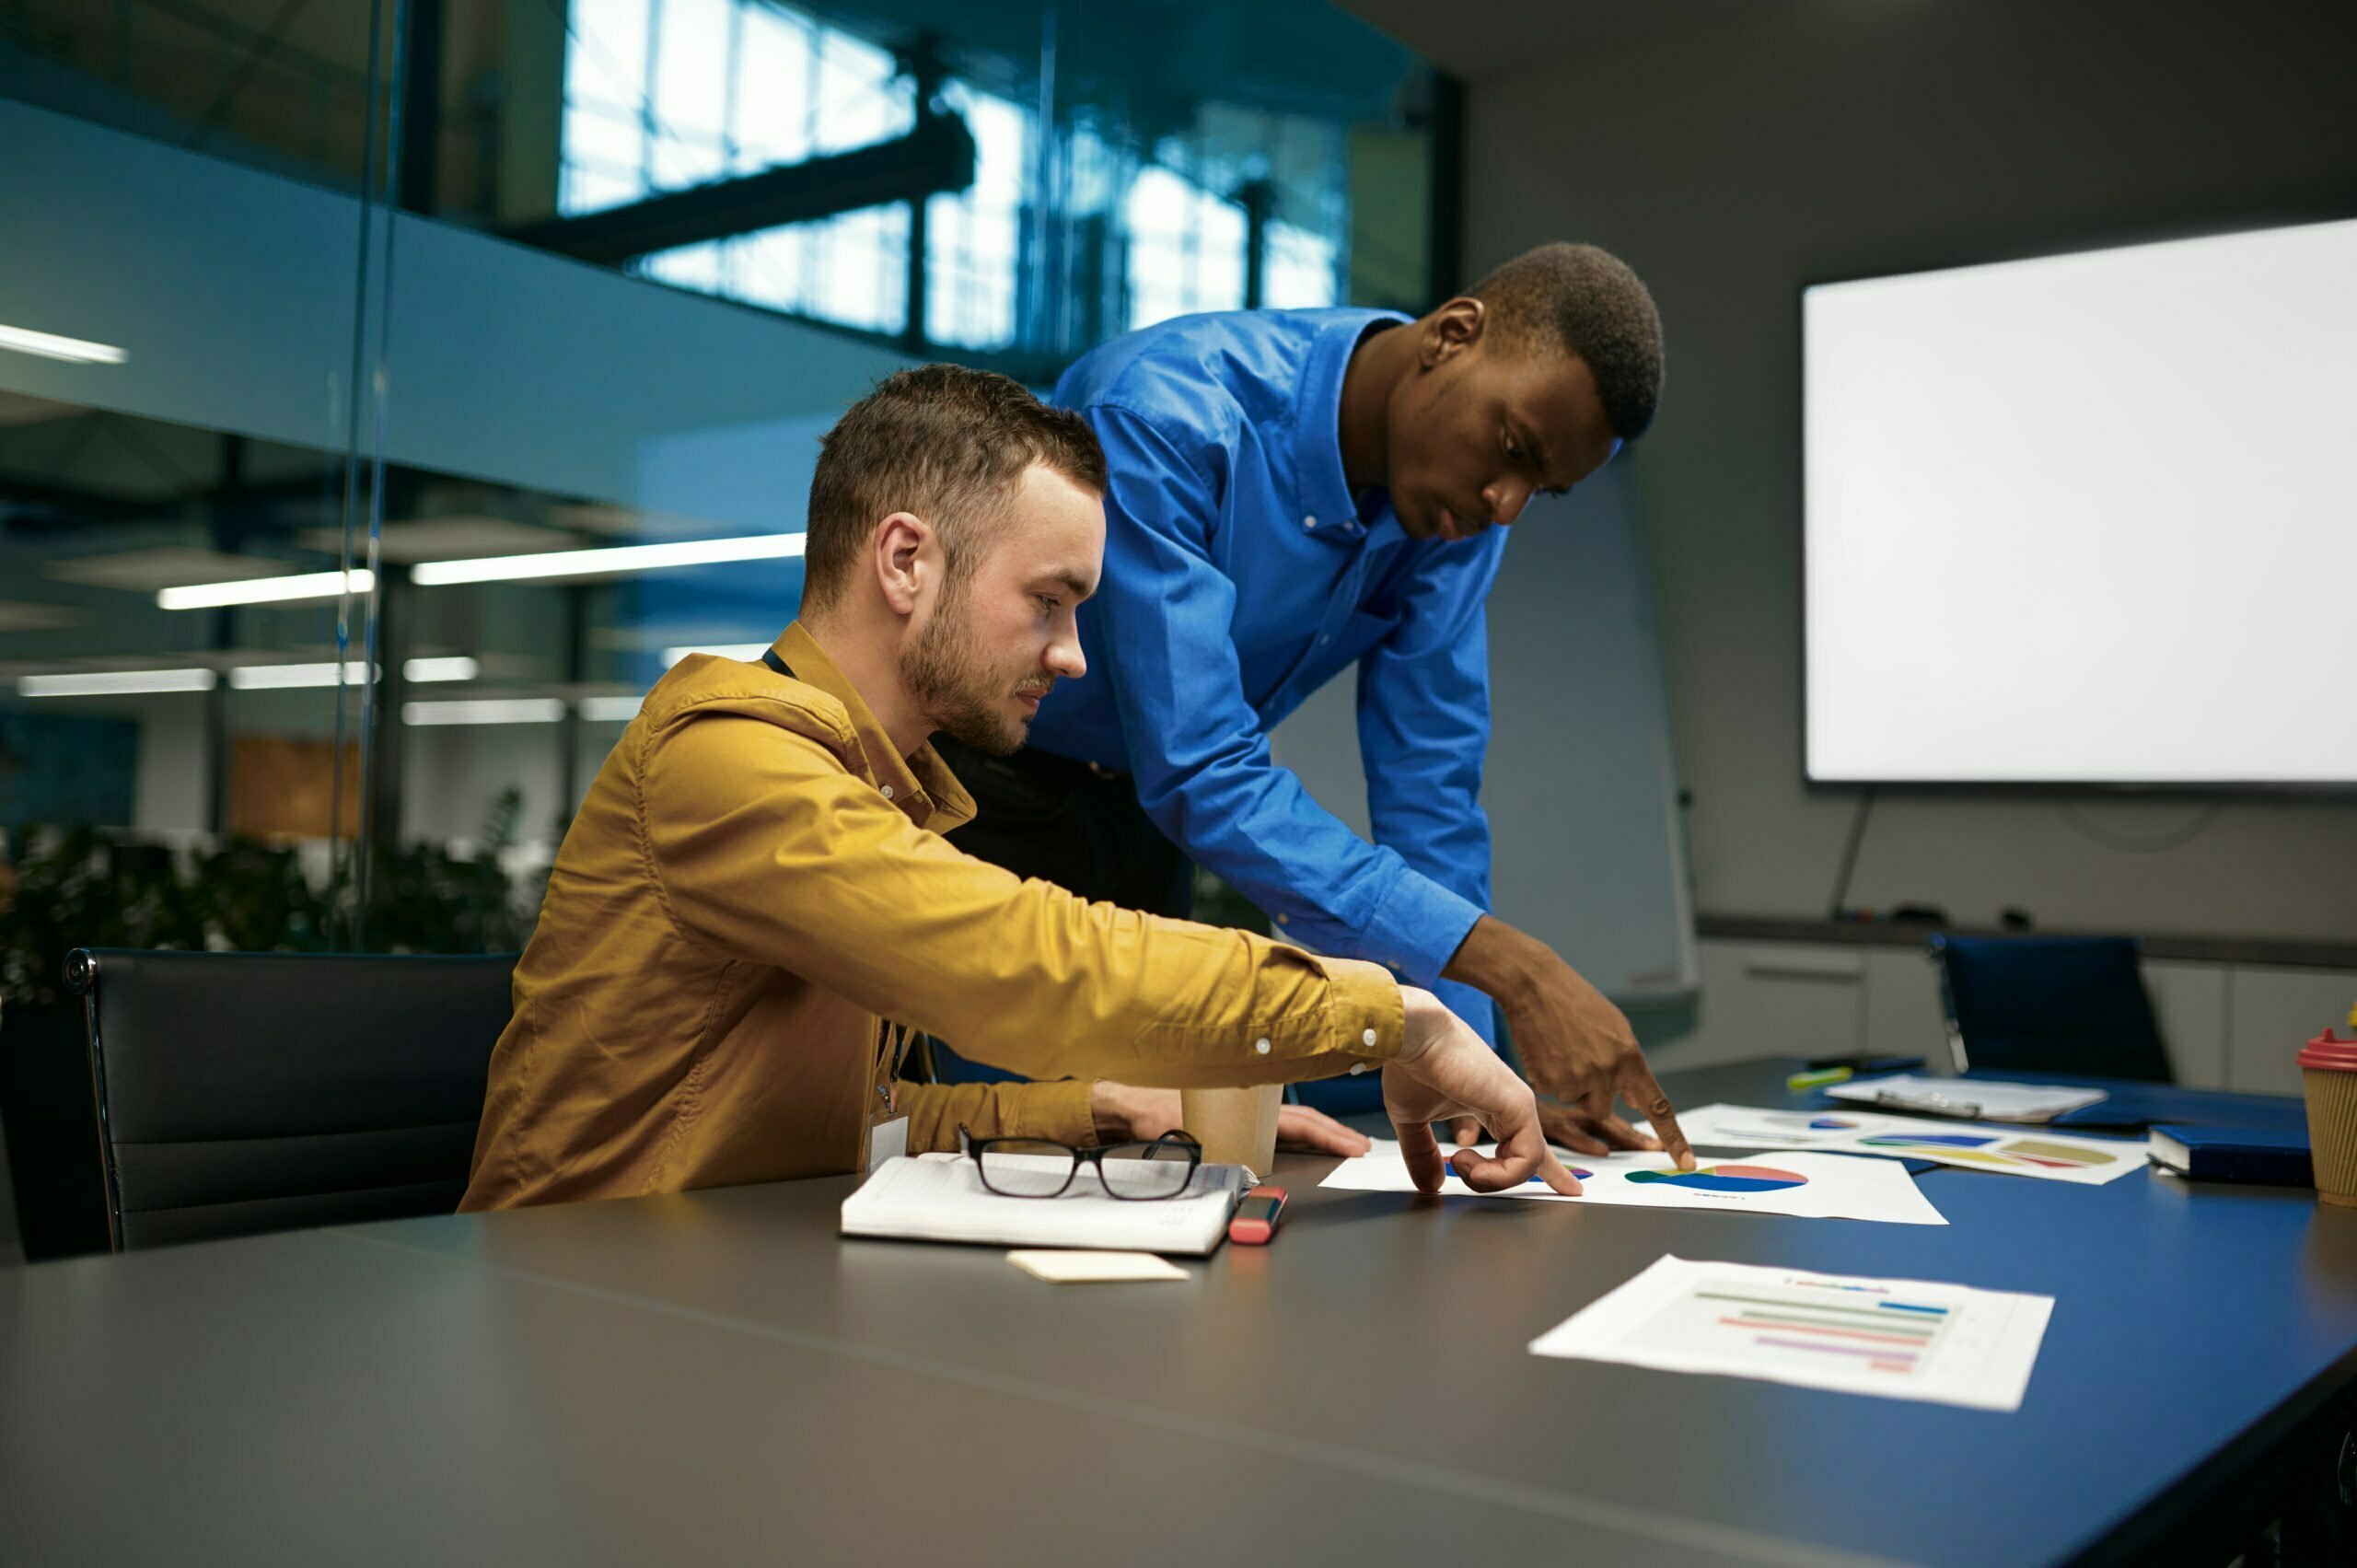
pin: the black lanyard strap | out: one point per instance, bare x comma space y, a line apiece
769, 657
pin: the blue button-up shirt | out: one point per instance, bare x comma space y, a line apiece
1241, 574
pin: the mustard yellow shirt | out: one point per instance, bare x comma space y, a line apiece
755, 901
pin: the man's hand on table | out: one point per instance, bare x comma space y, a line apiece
1123, 1110
1577, 1045
1446, 1071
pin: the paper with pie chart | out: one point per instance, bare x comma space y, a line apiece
1900, 1338
2047, 1156
1819, 1187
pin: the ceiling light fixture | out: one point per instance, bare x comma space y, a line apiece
607, 561
116, 682
267, 590
276, 677
744, 652
486, 710
609, 710
273, 677
49, 346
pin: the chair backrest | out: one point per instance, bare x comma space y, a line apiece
2051, 1004
246, 1091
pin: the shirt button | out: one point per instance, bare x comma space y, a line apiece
888, 792
1356, 1068
1310, 522
1369, 1037
1262, 1045
1282, 920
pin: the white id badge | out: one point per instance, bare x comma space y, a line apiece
886, 1140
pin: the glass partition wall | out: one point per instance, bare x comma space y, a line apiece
391, 389
427, 376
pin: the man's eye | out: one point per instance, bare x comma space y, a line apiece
1514, 448
1050, 603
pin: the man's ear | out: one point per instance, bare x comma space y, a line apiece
907, 558
1450, 330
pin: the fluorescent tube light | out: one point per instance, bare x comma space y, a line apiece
267, 590
276, 677
606, 560
486, 710
49, 346
747, 651
116, 682
272, 676
609, 710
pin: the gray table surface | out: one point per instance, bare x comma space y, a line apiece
718, 1374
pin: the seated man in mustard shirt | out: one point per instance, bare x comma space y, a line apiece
754, 908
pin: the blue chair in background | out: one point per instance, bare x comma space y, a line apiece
2049, 1004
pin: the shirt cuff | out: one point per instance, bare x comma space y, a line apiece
1418, 928
1366, 1014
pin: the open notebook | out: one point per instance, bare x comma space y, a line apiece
940, 1198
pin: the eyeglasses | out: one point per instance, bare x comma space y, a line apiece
1042, 1168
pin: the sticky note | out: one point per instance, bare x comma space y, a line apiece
1080, 1268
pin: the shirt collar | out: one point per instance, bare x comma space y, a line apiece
1327, 506
922, 786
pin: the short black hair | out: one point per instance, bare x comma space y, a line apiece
1588, 303
945, 442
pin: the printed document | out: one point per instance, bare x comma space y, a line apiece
1971, 1098
1899, 1339
1826, 1187
2047, 1156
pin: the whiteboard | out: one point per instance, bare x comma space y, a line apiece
2086, 518
1587, 848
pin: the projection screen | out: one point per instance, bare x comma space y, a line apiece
2087, 519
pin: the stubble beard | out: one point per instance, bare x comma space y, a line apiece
946, 670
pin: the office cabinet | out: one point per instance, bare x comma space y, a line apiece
2273, 1012
2231, 1025
1773, 999
2190, 1002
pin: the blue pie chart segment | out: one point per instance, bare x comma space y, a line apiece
1726, 1179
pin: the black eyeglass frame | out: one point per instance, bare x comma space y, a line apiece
1175, 1139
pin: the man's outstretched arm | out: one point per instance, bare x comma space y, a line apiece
1576, 1045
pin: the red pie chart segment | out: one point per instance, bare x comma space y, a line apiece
1726, 1179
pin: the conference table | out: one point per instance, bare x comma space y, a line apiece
719, 1375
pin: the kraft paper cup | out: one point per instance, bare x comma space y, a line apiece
2328, 1077
1239, 1126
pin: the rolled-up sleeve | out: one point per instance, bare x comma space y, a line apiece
766, 850
1058, 1112
1203, 766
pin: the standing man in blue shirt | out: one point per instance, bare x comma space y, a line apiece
1294, 492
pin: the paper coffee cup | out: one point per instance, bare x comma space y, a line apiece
1237, 1126
2328, 1077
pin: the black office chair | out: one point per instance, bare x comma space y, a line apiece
238, 1093
2049, 1004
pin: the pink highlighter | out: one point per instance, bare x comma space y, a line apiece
1256, 1217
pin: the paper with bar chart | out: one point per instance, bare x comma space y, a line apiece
1900, 1338
2048, 1156
1829, 1187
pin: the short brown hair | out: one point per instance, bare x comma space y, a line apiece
946, 443
1586, 303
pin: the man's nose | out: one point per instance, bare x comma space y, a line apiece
1064, 658
1507, 498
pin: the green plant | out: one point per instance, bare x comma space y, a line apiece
74, 888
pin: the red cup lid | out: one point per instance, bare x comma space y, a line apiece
2330, 1053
